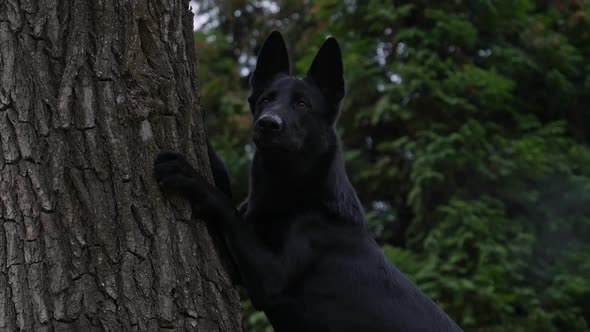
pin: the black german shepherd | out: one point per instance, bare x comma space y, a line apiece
300, 239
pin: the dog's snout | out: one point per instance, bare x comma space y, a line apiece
269, 124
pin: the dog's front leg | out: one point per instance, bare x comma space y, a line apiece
264, 273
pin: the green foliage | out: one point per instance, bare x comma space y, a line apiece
466, 129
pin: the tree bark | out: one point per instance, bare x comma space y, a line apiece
89, 92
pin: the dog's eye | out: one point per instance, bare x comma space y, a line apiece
301, 105
263, 102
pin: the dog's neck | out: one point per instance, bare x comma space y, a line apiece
321, 184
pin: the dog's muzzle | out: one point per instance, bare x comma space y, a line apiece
268, 124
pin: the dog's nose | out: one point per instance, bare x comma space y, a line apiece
269, 124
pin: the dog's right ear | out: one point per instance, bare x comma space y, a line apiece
273, 59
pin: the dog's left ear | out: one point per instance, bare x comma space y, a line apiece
327, 71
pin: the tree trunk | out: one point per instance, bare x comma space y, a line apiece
89, 92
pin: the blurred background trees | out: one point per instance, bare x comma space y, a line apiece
466, 127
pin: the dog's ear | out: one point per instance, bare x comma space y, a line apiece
273, 59
327, 71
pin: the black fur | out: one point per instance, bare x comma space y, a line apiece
300, 239
220, 175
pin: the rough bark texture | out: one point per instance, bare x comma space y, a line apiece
89, 92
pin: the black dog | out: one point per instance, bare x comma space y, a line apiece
300, 239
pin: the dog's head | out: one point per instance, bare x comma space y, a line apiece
295, 115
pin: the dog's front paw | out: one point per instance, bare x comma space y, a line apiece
175, 174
